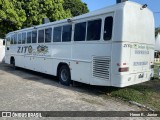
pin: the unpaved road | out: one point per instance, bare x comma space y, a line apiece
24, 90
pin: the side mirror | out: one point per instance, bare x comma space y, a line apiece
4, 42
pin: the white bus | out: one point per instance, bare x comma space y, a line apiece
113, 46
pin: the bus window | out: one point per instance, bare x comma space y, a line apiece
19, 38
80, 32
29, 37
12, 39
94, 30
15, 38
34, 36
48, 35
57, 34
23, 38
67, 33
108, 26
8, 41
41, 36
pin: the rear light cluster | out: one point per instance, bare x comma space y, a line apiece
125, 69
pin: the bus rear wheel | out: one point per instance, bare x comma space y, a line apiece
64, 75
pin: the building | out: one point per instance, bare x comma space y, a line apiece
2, 51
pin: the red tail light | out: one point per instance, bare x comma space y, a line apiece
126, 69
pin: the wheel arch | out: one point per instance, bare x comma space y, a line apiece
60, 65
12, 59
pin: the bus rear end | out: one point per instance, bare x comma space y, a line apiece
133, 51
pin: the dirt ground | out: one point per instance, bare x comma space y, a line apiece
24, 90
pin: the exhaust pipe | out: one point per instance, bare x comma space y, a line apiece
120, 1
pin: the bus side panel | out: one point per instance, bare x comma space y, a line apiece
82, 65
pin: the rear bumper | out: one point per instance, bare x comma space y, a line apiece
130, 79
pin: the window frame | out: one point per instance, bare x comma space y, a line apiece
43, 36
51, 27
63, 31
85, 30
61, 26
30, 37
98, 18
104, 28
8, 39
25, 42
20, 38
15, 36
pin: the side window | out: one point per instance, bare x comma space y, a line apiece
80, 32
8, 41
94, 30
29, 37
15, 38
108, 26
12, 39
48, 35
67, 33
34, 36
41, 36
23, 38
57, 34
19, 38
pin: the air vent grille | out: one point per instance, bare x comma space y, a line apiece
101, 67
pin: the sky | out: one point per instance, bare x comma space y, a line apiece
153, 5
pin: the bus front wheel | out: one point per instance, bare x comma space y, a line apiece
64, 75
13, 63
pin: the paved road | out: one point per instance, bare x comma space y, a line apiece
24, 90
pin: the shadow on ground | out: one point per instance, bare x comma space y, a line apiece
52, 80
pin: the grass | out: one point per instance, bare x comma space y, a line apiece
146, 93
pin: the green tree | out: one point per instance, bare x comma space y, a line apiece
77, 7
12, 16
36, 10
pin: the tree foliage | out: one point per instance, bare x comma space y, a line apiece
12, 16
77, 7
16, 14
38, 9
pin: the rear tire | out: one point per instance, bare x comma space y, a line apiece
64, 75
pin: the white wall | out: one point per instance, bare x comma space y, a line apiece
157, 45
2, 51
